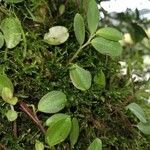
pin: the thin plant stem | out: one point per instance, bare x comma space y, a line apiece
80, 49
5, 54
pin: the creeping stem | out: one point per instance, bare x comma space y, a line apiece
81, 48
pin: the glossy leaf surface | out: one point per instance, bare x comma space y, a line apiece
52, 102
80, 77
108, 47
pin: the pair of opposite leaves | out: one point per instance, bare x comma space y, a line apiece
59, 125
105, 41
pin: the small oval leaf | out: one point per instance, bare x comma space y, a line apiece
58, 132
80, 77
56, 35
57, 117
104, 46
144, 127
1, 40
92, 16
11, 115
7, 94
137, 111
11, 31
61, 9
79, 28
95, 145
5, 82
99, 79
110, 33
52, 102
74, 133
39, 145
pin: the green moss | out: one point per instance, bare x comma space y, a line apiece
100, 112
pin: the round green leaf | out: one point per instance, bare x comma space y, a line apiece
137, 111
104, 46
79, 28
92, 16
80, 77
144, 127
11, 115
74, 133
5, 82
56, 35
95, 145
39, 145
110, 33
1, 40
52, 102
7, 94
58, 132
11, 31
99, 79
57, 117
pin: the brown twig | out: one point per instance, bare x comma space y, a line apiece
2, 147
120, 107
15, 129
32, 115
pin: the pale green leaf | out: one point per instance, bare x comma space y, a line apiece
52, 102
7, 94
74, 133
79, 28
144, 127
1, 40
110, 33
13, 101
80, 77
61, 9
39, 145
92, 16
95, 145
5, 82
104, 46
99, 79
58, 132
56, 35
11, 31
137, 111
11, 115
53, 119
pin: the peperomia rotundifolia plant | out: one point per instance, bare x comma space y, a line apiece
60, 126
